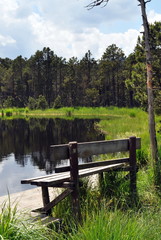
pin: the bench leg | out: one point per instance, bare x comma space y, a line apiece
45, 197
73, 152
133, 168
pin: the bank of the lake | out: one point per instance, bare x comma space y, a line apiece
121, 122
112, 218
70, 112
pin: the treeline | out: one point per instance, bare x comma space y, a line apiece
47, 80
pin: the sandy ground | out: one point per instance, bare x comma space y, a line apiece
27, 200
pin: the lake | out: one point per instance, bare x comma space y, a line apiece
25, 147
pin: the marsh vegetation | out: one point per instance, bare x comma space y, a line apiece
107, 212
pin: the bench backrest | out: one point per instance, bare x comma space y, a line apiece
87, 149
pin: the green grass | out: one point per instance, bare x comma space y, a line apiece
127, 125
101, 112
107, 213
15, 226
118, 225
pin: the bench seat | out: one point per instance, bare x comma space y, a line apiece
57, 178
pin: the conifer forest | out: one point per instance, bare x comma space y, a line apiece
46, 80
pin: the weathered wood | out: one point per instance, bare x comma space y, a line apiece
51, 181
86, 149
90, 171
69, 185
28, 180
45, 196
133, 169
46, 220
56, 180
34, 181
54, 202
73, 157
68, 177
51, 204
122, 169
93, 164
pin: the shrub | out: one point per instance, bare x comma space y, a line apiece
32, 104
8, 112
42, 103
9, 102
57, 102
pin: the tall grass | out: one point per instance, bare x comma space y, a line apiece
15, 226
12, 112
118, 225
106, 213
99, 112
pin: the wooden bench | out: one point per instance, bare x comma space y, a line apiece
68, 177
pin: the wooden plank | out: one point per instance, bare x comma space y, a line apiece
54, 175
64, 185
86, 149
93, 164
28, 180
46, 220
57, 200
51, 181
59, 152
91, 171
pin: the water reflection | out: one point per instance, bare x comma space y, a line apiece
25, 146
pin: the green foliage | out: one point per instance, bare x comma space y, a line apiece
42, 103
57, 102
136, 71
119, 225
9, 102
32, 103
14, 225
8, 112
92, 96
113, 80
142, 157
132, 115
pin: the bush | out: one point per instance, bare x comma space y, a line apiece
8, 113
32, 104
42, 103
57, 102
9, 102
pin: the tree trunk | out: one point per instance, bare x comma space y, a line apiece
152, 131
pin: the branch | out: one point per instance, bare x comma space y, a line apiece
96, 3
147, 1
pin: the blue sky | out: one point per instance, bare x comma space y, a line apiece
68, 28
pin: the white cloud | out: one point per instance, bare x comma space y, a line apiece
153, 16
67, 27
68, 43
5, 40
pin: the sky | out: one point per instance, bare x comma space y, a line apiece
68, 28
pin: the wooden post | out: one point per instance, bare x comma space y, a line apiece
133, 168
101, 182
73, 156
45, 197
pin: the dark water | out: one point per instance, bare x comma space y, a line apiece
25, 147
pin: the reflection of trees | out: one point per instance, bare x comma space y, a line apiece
33, 138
